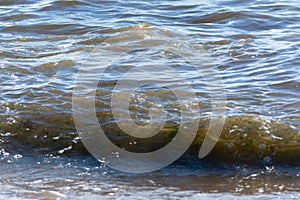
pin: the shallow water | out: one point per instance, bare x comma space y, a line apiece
255, 46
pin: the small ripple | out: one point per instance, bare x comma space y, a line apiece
61, 5
216, 17
18, 17
67, 29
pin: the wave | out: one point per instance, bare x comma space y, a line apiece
246, 139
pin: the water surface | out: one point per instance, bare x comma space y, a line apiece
255, 46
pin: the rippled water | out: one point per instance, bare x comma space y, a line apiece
255, 46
